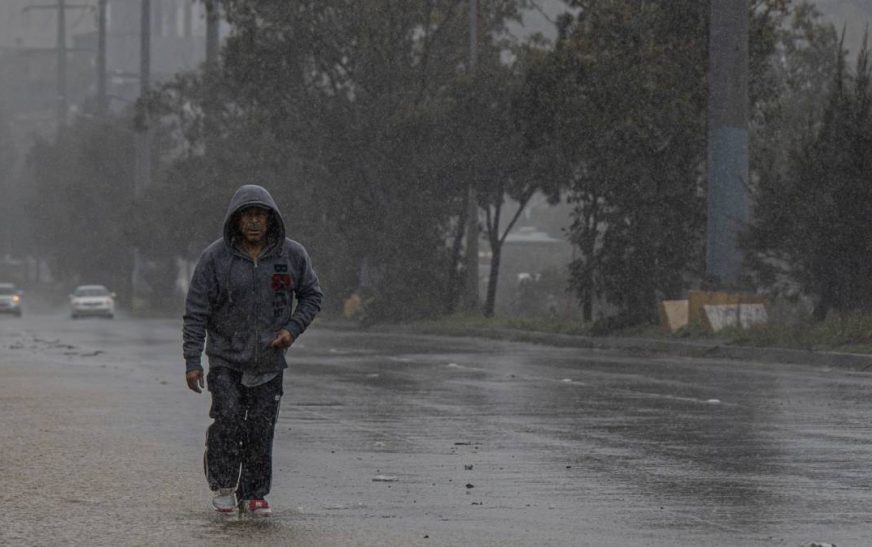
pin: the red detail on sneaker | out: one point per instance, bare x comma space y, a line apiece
258, 507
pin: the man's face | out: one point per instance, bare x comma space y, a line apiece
253, 224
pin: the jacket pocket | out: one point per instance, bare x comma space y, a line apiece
241, 345
268, 354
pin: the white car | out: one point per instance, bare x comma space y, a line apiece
92, 300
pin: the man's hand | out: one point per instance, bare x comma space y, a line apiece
283, 339
195, 380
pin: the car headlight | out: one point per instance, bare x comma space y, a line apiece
16, 299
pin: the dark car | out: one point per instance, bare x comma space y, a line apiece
10, 299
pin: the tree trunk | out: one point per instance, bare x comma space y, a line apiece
496, 243
587, 245
822, 308
587, 303
493, 277
452, 290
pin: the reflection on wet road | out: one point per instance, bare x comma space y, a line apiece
407, 440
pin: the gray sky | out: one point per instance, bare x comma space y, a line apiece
854, 15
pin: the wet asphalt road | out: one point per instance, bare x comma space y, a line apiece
421, 440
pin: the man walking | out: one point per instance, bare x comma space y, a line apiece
240, 303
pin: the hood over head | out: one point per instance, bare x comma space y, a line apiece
253, 195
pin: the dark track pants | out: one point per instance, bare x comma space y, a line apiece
239, 441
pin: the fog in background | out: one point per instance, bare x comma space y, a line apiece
29, 119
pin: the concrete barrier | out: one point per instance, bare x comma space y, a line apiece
715, 310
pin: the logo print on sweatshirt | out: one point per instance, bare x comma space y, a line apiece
282, 282
281, 268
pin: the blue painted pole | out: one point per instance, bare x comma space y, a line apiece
728, 196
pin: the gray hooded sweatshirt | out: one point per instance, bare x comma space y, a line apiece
238, 304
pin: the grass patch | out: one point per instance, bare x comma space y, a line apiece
848, 332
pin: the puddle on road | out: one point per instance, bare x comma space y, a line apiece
248, 528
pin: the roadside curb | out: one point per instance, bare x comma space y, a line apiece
720, 349
716, 349
709, 349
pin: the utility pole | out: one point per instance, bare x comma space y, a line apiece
102, 104
187, 19
62, 66
145, 48
728, 196
471, 292
213, 18
142, 168
143, 156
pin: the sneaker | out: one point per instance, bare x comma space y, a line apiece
224, 500
258, 508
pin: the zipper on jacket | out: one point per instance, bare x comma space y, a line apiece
256, 315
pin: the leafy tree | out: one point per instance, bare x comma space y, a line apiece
485, 122
83, 191
794, 87
337, 106
8, 159
620, 103
812, 219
